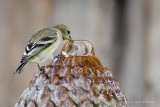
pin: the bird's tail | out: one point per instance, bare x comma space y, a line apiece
20, 68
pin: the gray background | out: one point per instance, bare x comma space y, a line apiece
125, 35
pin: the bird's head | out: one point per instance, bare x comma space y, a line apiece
65, 31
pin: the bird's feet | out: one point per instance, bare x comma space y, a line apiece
41, 68
57, 56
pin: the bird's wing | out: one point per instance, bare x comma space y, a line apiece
43, 33
38, 43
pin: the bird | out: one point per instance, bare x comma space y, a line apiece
42, 45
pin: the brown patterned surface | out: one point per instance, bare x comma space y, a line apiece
72, 82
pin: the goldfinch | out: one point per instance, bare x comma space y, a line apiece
42, 45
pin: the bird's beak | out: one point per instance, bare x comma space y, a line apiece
70, 38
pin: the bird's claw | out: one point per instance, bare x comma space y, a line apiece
57, 56
41, 68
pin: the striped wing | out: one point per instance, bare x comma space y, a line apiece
36, 46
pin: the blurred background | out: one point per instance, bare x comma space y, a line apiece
125, 34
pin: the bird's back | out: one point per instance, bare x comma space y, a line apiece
40, 34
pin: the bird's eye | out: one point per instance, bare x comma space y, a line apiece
68, 32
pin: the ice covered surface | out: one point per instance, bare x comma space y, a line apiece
78, 48
75, 79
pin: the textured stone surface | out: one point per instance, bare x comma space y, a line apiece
73, 81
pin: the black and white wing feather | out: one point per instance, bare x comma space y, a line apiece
33, 49
40, 41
